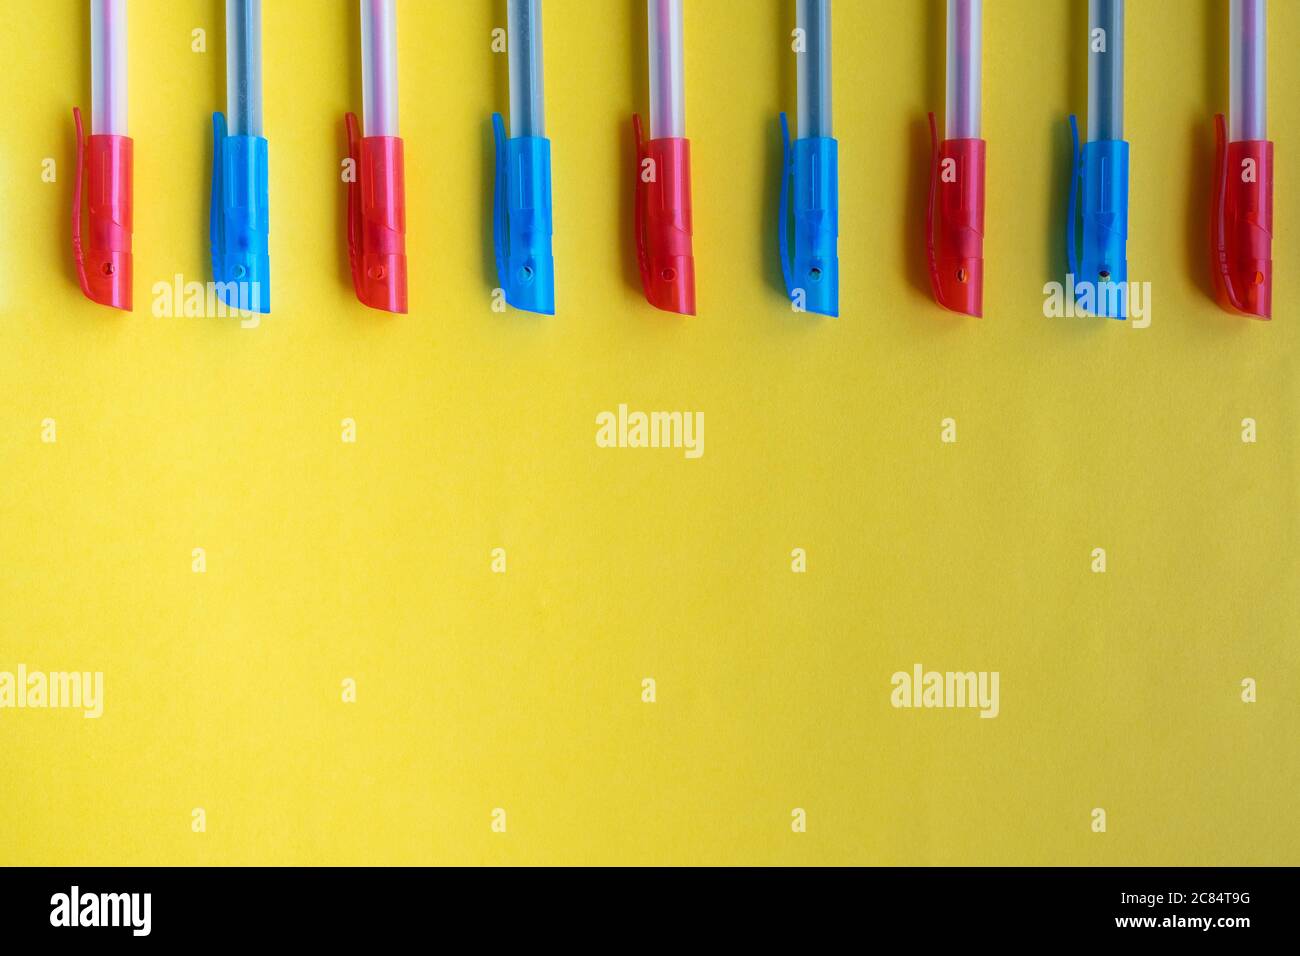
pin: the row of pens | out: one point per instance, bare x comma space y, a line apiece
1097, 227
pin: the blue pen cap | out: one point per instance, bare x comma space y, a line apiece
1100, 187
522, 224
810, 196
241, 231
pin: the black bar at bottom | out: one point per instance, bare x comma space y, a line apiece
339, 905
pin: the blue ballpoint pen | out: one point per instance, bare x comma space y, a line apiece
1101, 172
241, 264
810, 179
522, 208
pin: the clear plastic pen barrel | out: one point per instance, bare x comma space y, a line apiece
813, 17
527, 91
667, 70
1248, 116
965, 63
379, 66
244, 67
1105, 70
108, 67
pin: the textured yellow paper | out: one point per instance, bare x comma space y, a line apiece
328, 560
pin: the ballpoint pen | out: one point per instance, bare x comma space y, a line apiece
522, 223
955, 243
377, 196
663, 185
1242, 214
1100, 180
104, 166
241, 261
810, 180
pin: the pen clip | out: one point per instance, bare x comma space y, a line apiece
500, 206
935, 284
783, 219
1218, 214
1072, 213
78, 253
219, 137
642, 259
354, 200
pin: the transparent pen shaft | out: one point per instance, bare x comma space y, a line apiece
1105, 69
965, 64
1248, 116
108, 67
667, 69
244, 67
813, 17
527, 91
379, 66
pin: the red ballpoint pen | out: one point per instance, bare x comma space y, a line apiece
1242, 210
104, 167
377, 197
663, 200
955, 243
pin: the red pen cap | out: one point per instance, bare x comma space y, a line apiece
955, 243
663, 222
1241, 225
104, 165
377, 219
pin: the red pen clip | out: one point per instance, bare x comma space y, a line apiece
103, 262
377, 219
663, 222
957, 254
1241, 224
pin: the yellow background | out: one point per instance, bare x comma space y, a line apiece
476, 430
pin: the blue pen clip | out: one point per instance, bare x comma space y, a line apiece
241, 243
1100, 181
810, 194
521, 220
